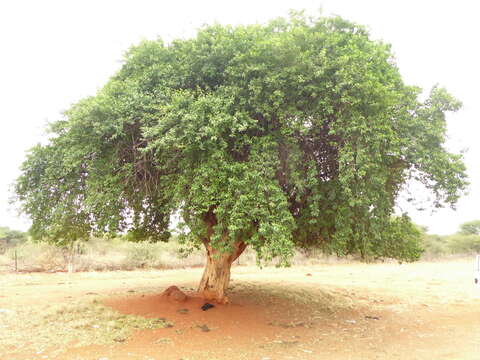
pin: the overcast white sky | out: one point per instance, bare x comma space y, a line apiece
54, 52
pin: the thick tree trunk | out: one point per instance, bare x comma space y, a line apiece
216, 275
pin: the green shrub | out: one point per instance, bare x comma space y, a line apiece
460, 243
12, 237
470, 228
434, 245
142, 254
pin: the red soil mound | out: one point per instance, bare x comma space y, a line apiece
233, 326
173, 293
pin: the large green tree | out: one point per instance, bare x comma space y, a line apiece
299, 132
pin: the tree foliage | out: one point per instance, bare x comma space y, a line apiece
299, 132
470, 228
463, 243
10, 236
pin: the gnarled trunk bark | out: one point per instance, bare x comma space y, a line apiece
216, 275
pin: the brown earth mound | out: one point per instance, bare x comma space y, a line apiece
173, 293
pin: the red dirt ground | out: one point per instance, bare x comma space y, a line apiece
387, 311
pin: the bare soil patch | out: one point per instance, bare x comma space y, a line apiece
345, 311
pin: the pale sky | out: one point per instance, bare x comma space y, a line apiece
55, 52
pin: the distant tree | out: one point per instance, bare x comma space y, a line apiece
434, 245
295, 133
463, 243
470, 228
10, 236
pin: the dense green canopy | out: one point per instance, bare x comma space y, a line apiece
298, 132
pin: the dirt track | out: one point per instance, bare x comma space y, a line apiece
356, 311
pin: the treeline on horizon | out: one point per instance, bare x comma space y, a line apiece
465, 241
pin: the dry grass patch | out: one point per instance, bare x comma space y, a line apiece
56, 327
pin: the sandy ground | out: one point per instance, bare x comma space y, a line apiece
342, 311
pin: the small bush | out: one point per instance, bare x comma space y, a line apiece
51, 259
460, 243
470, 228
434, 246
142, 254
10, 237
